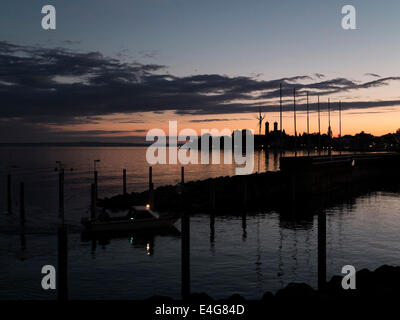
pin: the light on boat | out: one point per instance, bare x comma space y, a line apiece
131, 218
147, 206
148, 249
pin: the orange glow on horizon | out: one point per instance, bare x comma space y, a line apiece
377, 121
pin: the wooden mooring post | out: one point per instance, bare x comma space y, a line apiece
22, 203
321, 250
9, 192
212, 228
151, 188
212, 213
62, 267
61, 193
212, 195
95, 180
22, 240
244, 226
124, 181
92, 202
244, 195
185, 255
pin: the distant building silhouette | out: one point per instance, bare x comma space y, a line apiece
329, 132
275, 126
266, 127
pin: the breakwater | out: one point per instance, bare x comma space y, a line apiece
301, 182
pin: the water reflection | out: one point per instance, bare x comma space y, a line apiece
258, 262
212, 233
23, 241
280, 257
255, 252
244, 226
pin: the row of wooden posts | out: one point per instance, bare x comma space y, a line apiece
62, 269
93, 192
185, 231
21, 199
185, 225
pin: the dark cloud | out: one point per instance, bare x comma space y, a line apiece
19, 131
127, 121
149, 54
96, 132
60, 86
72, 42
373, 75
217, 120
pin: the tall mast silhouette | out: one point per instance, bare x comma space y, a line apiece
280, 106
340, 118
319, 119
319, 127
308, 118
294, 111
329, 118
260, 119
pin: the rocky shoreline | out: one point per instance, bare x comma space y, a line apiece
240, 194
381, 284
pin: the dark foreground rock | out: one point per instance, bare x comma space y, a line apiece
381, 285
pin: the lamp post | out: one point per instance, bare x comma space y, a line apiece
9, 188
95, 177
60, 189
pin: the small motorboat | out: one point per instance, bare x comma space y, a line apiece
137, 218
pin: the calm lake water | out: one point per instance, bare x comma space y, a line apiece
265, 254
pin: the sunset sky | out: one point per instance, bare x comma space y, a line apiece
112, 70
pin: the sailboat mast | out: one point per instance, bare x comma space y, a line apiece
280, 106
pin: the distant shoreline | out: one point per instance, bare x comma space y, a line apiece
73, 144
